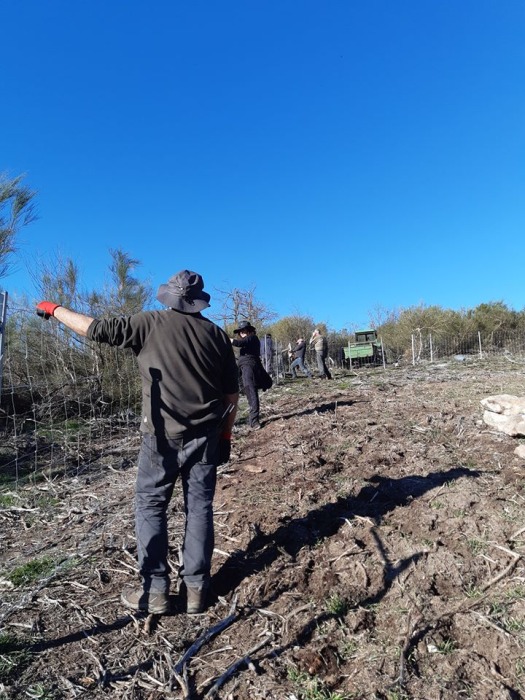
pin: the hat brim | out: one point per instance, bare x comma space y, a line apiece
245, 328
179, 303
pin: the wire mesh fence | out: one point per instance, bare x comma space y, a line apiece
64, 400
429, 347
413, 349
67, 403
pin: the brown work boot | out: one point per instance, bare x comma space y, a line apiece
153, 602
196, 599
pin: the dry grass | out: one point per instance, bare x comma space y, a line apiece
369, 544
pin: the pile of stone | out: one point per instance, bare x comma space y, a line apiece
507, 414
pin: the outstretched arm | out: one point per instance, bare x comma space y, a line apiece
79, 323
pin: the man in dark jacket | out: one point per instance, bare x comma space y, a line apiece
249, 361
189, 399
298, 354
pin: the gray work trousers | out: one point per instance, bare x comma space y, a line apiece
323, 370
161, 461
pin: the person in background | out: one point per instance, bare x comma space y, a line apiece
189, 400
298, 353
320, 345
267, 353
249, 357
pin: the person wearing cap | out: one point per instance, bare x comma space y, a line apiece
189, 400
320, 345
249, 359
298, 354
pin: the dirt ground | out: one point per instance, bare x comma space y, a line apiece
369, 545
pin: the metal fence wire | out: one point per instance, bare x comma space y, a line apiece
64, 399
429, 347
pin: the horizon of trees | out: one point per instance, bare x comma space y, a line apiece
126, 293
105, 380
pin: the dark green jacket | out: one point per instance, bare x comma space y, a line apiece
186, 364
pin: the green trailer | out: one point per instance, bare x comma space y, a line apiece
367, 349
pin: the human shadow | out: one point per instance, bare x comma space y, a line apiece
303, 635
101, 628
329, 407
157, 405
82, 634
373, 501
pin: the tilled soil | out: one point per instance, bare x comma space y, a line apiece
369, 545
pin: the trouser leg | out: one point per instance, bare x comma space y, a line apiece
250, 389
199, 476
321, 366
304, 368
156, 476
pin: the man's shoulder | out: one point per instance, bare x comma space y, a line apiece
210, 328
181, 320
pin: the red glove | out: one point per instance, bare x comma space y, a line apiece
46, 309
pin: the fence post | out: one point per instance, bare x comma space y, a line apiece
413, 350
431, 347
479, 341
3, 303
279, 362
383, 351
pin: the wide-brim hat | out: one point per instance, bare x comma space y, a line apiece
184, 292
245, 326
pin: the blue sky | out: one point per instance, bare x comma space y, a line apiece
339, 156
